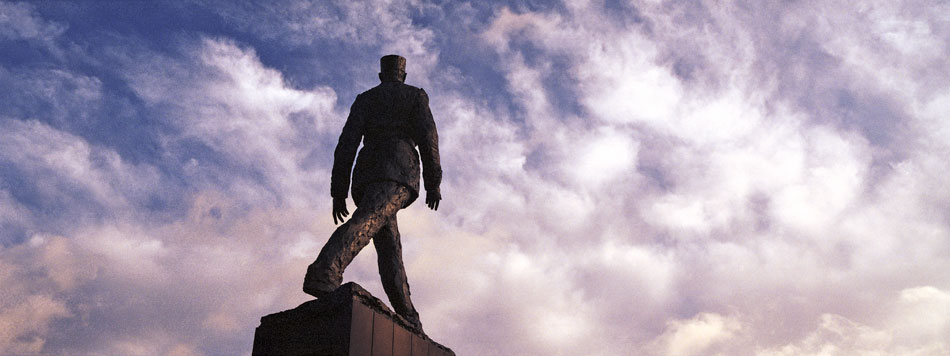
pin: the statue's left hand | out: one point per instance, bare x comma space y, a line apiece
339, 210
433, 197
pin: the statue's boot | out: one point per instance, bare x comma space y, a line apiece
414, 322
314, 287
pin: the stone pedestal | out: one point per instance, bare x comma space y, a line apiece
349, 322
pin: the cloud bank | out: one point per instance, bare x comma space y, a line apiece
645, 177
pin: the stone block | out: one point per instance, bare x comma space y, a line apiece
348, 322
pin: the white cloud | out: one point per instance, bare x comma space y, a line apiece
916, 326
386, 27
696, 335
68, 171
35, 277
755, 190
19, 21
831, 181
193, 281
248, 115
700, 200
621, 84
601, 157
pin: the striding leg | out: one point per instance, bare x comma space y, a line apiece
379, 205
393, 274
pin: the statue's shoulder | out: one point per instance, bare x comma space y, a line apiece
418, 92
369, 95
412, 92
369, 92
410, 89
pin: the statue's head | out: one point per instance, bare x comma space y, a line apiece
392, 68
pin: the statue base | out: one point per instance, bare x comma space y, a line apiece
348, 322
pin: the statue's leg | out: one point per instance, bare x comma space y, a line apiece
392, 273
380, 202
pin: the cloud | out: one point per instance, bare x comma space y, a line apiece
696, 335
69, 178
376, 28
112, 270
198, 284
249, 131
653, 177
903, 334
20, 21
35, 276
740, 177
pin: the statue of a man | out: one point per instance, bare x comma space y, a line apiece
391, 119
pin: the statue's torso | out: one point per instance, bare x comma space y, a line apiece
388, 152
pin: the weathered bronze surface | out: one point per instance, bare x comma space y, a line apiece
392, 120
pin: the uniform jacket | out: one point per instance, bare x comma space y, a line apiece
392, 119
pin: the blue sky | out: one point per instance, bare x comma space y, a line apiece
621, 177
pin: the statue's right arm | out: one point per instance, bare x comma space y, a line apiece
345, 151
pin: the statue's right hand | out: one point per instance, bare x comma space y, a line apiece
339, 210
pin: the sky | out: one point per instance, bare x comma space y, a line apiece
644, 177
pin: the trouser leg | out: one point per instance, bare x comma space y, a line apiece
379, 205
392, 273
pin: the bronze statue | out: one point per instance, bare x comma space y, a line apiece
391, 119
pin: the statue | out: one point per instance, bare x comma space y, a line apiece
391, 119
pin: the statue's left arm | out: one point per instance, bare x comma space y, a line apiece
427, 138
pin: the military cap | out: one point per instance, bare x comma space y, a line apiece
392, 63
